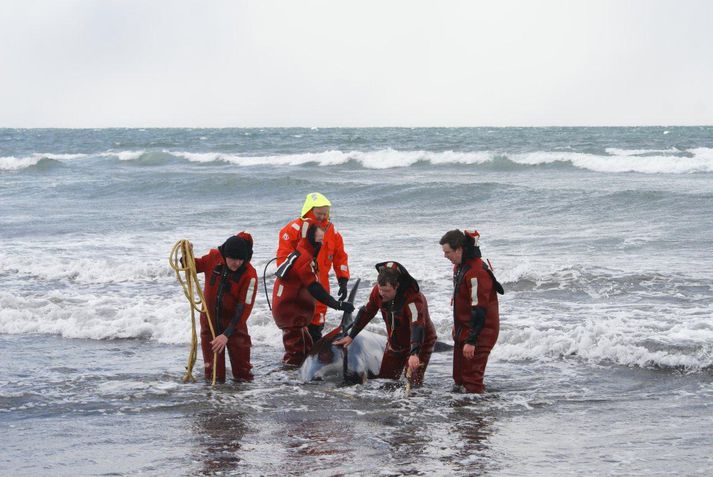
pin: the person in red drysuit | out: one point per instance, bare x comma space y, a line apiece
229, 291
316, 208
411, 334
296, 288
476, 318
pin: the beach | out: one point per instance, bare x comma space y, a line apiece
600, 236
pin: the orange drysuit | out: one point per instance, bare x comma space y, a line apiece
331, 255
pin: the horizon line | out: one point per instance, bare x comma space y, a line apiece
363, 127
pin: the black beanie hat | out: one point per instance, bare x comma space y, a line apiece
235, 247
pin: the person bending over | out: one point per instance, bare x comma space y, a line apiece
411, 334
296, 288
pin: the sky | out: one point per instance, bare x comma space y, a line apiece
322, 63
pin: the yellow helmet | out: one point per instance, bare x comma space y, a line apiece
314, 199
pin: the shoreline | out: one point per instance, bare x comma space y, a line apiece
130, 411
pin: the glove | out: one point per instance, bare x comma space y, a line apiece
346, 306
342, 294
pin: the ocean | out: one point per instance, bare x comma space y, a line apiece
600, 236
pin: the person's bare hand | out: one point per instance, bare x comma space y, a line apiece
346, 341
218, 344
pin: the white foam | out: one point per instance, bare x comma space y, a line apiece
626, 161
648, 161
381, 159
61, 157
12, 163
83, 270
617, 164
123, 155
73, 313
93, 291
96, 296
614, 151
615, 337
17, 163
702, 153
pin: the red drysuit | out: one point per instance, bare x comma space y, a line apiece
408, 326
293, 305
224, 291
474, 288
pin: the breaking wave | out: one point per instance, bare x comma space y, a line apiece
36, 160
614, 339
653, 161
701, 160
580, 312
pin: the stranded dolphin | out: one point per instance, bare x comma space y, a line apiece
355, 364
358, 362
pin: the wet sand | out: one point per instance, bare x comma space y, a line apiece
84, 407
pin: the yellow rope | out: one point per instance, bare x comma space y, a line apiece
188, 278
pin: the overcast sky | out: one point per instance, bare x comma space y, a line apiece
126, 63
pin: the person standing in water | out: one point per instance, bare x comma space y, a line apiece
229, 291
476, 316
331, 255
295, 292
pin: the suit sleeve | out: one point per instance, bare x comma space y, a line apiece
287, 241
416, 310
478, 284
341, 259
203, 263
247, 293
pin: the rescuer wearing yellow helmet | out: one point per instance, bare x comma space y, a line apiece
316, 209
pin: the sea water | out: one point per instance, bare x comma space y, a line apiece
600, 236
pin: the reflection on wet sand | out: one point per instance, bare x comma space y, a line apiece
333, 430
218, 436
313, 439
407, 443
471, 427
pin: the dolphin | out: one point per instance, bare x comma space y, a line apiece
357, 363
